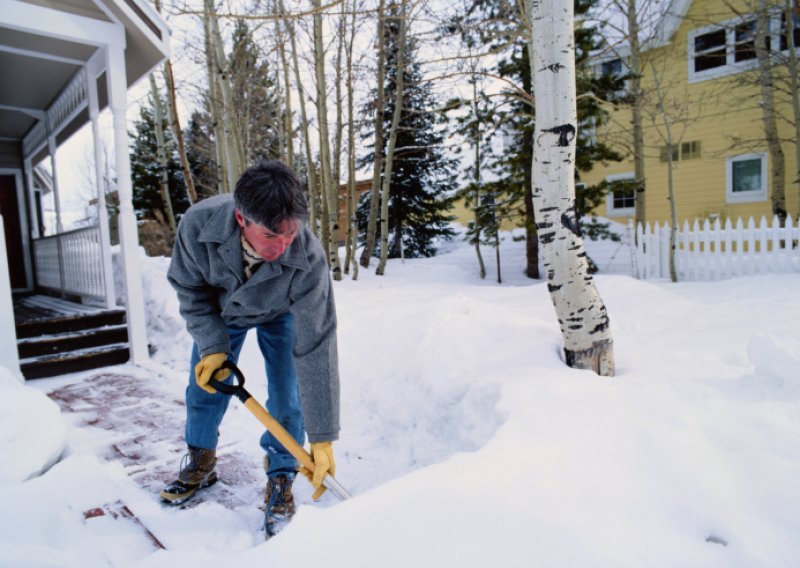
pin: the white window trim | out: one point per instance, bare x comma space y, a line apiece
731, 67
612, 211
749, 196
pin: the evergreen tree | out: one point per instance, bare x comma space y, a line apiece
423, 177
255, 99
199, 136
257, 114
145, 170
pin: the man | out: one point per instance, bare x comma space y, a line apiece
248, 261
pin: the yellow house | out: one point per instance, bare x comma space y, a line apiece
702, 67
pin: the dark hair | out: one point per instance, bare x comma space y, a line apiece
269, 193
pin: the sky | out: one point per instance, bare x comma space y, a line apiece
465, 439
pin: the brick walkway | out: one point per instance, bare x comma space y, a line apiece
146, 426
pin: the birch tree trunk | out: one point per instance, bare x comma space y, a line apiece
231, 142
476, 136
339, 134
288, 126
580, 310
531, 233
312, 181
331, 194
387, 169
777, 161
350, 215
161, 153
794, 82
635, 81
214, 108
671, 142
175, 126
377, 164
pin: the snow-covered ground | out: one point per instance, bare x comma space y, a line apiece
466, 441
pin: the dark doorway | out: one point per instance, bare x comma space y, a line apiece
9, 208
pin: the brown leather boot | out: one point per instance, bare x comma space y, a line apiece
198, 473
280, 504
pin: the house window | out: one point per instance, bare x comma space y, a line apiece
665, 152
746, 178
796, 32
690, 150
683, 151
709, 50
611, 68
729, 47
744, 46
621, 199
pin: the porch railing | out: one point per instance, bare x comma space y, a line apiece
71, 263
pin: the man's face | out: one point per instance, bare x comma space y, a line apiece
269, 245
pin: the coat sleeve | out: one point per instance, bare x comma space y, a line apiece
198, 300
315, 351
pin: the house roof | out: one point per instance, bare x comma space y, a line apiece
659, 34
44, 44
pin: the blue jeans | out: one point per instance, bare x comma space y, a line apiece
204, 411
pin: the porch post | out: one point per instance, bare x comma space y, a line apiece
51, 149
9, 358
128, 237
102, 212
34, 213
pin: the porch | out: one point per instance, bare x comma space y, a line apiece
62, 64
57, 336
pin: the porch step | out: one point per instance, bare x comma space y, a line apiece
71, 341
74, 361
69, 323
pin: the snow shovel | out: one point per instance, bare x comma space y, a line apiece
274, 427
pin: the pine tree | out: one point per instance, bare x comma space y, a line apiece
423, 176
256, 103
145, 170
199, 135
257, 114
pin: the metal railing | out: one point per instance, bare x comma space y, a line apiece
71, 263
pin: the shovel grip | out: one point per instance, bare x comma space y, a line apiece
236, 389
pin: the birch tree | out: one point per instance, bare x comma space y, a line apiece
232, 153
331, 194
790, 15
161, 153
669, 117
580, 310
350, 201
766, 82
304, 129
377, 164
175, 125
387, 168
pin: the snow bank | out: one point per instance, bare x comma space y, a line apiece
32, 432
466, 441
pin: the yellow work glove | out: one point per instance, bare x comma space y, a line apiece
322, 454
207, 366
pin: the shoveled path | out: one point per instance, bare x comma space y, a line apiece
145, 422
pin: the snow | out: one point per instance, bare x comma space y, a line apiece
32, 432
466, 441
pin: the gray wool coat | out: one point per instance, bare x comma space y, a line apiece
207, 272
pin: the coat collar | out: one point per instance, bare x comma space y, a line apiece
222, 228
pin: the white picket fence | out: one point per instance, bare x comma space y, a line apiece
713, 251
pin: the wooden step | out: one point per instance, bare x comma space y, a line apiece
74, 361
69, 323
70, 341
